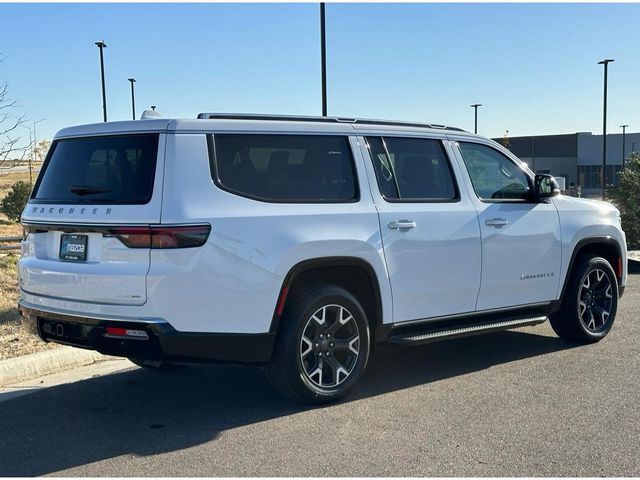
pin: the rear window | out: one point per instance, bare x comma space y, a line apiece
285, 168
110, 169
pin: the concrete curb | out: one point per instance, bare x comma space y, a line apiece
26, 367
633, 255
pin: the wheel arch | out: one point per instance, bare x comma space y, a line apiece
346, 272
606, 247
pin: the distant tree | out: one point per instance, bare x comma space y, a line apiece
40, 152
14, 202
626, 196
12, 150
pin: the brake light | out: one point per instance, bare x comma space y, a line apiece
162, 237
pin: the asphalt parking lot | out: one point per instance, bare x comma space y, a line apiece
505, 404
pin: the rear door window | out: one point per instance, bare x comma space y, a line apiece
412, 169
284, 168
99, 170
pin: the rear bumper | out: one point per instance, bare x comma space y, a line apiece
162, 341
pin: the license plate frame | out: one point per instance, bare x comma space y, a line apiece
70, 250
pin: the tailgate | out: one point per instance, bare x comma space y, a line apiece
92, 197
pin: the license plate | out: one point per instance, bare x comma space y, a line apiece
73, 247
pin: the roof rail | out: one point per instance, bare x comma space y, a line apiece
302, 118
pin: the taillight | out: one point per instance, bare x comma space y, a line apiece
161, 237
133, 237
179, 236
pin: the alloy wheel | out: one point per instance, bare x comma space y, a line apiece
329, 346
595, 300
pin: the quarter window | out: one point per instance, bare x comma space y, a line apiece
412, 169
493, 175
285, 168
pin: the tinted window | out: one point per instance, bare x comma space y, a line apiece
294, 168
494, 176
412, 169
110, 169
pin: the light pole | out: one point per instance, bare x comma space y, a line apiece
34, 145
606, 63
101, 45
35, 140
323, 59
31, 153
133, 101
475, 123
624, 143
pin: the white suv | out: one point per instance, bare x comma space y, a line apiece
300, 242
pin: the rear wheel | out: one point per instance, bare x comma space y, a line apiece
322, 347
589, 307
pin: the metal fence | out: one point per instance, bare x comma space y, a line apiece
10, 243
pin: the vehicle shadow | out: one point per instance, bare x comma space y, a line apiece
142, 412
633, 267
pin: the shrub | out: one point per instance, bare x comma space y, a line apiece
14, 202
626, 196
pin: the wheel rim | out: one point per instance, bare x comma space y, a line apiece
329, 346
595, 300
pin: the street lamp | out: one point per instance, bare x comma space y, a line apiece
101, 45
606, 63
31, 153
33, 147
323, 59
624, 143
133, 101
475, 108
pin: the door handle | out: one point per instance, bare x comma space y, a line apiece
400, 224
496, 222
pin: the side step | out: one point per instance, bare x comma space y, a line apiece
427, 333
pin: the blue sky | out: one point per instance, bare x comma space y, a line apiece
532, 66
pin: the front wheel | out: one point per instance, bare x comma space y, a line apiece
589, 307
322, 347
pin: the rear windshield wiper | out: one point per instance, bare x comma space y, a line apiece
84, 190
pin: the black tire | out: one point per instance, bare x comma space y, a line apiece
580, 318
289, 369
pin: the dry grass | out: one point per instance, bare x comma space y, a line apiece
14, 341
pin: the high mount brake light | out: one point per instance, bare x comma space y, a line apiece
161, 237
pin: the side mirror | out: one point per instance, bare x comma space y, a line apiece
546, 186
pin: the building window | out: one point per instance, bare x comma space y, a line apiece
590, 176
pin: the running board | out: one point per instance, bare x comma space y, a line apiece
432, 333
